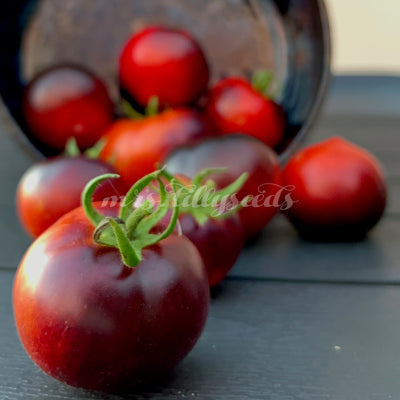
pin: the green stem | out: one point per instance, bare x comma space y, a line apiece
198, 179
71, 148
94, 152
128, 253
87, 195
138, 215
174, 218
130, 112
152, 106
262, 80
134, 192
202, 200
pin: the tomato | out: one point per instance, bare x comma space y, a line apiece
52, 188
238, 154
219, 242
67, 101
218, 239
134, 147
163, 62
339, 190
90, 319
234, 106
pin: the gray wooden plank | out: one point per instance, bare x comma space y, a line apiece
377, 96
280, 254
263, 340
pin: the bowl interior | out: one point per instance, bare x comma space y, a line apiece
239, 36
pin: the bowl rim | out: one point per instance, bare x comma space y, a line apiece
324, 84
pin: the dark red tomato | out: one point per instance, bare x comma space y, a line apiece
339, 190
163, 62
219, 240
52, 188
67, 101
234, 106
90, 321
238, 154
134, 147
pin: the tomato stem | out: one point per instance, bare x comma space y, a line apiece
265, 82
152, 106
152, 109
71, 148
131, 112
131, 231
202, 200
86, 199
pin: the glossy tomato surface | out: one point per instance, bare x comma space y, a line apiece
67, 101
234, 106
134, 147
339, 190
163, 62
219, 240
89, 321
238, 154
52, 188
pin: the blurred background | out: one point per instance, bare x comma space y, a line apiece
366, 36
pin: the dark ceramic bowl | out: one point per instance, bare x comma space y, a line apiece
290, 37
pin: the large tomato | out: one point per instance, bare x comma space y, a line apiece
92, 319
238, 154
134, 147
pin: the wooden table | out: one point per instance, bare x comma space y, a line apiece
294, 320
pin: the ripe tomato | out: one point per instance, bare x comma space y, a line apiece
339, 190
67, 101
218, 239
88, 319
52, 188
234, 106
219, 242
238, 154
163, 62
134, 147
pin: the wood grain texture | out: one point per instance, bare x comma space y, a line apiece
273, 341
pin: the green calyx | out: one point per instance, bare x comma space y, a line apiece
264, 81
152, 109
202, 200
72, 150
130, 232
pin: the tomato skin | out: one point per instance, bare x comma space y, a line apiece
52, 188
67, 101
235, 106
219, 242
135, 146
163, 62
340, 190
238, 154
91, 322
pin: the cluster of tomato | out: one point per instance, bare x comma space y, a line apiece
114, 293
